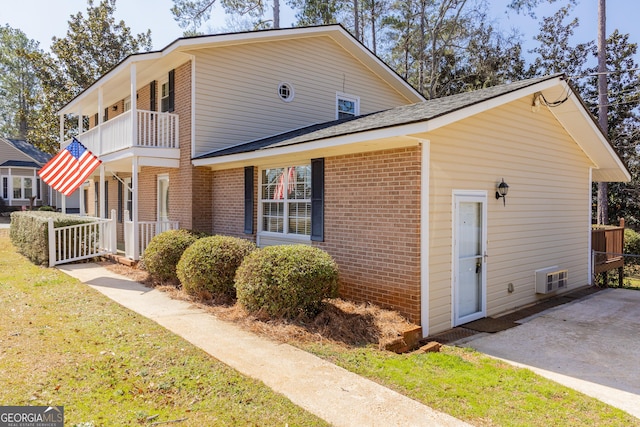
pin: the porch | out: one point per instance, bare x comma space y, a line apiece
607, 246
151, 134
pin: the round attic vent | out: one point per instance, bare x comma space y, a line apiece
285, 92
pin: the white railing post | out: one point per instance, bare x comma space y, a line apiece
113, 235
52, 242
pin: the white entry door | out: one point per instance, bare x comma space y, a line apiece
469, 252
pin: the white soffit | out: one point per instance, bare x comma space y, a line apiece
578, 122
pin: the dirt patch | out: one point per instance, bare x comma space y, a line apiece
340, 321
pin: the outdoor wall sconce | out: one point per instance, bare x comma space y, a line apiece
502, 190
114, 108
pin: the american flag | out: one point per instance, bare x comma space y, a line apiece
68, 169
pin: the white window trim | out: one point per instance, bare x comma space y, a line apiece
161, 177
346, 96
161, 82
34, 190
285, 235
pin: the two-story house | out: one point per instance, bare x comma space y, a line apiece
20, 185
304, 136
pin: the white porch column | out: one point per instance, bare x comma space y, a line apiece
81, 198
134, 208
10, 187
134, 107
100, 119
62, 208
101, 214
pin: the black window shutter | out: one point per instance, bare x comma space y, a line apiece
317, 200
95, 120
106, 199
153, 91
120, 207
106, 115
248, 200
172, 82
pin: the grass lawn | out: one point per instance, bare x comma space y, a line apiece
475, 388
62, 343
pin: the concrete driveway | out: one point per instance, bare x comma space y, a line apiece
591, 345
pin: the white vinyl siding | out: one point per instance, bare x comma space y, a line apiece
236, 96
545, 221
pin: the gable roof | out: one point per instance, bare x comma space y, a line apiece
117, 81
432, 114
38, 156
20, 164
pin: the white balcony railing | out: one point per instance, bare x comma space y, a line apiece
154, 130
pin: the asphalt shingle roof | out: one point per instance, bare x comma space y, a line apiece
20, 163
31, 151
403, 115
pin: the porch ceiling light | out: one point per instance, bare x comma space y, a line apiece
501, 192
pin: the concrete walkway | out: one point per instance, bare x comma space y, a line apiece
326, 390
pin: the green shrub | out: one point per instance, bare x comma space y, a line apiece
208, 267
631, 245
29, 233
286, 281
46, 209
163, 253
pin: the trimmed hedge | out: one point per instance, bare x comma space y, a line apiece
161, 256
631, 246
286, 281
29, 232
208, 267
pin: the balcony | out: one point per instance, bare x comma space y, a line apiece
154, 131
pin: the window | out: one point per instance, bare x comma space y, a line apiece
347, 106
22, 187
167, 93
17, 187
285, 92
285, 200
163, 197
128, 198
127, 104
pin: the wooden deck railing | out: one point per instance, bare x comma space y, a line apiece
607, 245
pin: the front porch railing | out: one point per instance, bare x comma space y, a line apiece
147, 230
154, 130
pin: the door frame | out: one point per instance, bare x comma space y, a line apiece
457, 197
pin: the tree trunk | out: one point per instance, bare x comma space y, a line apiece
356, 20
603, 109
276, 13
373, 27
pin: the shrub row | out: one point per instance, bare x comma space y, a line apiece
280, 281
29, 233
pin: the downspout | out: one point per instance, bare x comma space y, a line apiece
589, 215
134, 164
424, 235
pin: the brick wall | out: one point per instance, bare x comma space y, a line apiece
372, 227
372, 223
228, 201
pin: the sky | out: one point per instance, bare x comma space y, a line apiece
43, 19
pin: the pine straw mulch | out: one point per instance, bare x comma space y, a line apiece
340, 322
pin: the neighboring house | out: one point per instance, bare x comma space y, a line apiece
303, 136
19, 180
